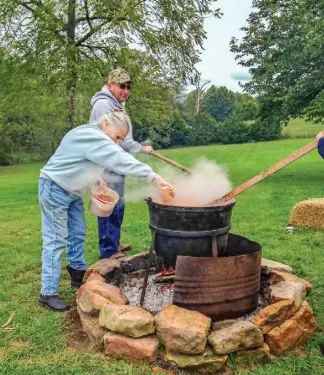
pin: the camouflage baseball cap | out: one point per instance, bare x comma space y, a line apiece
118, 75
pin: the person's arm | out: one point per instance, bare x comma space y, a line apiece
130, 145
320, 145
113, 158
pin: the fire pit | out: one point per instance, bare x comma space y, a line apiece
199, 275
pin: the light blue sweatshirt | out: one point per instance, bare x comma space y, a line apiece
104, 102
82, 156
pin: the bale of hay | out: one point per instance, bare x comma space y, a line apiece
309, 213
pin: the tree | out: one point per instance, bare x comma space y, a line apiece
200, 89
282, 47
67, 32
246, 107
219, 103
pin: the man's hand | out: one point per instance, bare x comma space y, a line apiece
148, 149
320, 135
160, 183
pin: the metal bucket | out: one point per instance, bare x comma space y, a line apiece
193, 231
223, 287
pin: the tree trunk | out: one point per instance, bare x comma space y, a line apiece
71, 58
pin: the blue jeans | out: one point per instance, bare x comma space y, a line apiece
109, 228
63, 225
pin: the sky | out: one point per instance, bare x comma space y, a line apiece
217, 62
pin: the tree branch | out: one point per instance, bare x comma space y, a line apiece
87, 13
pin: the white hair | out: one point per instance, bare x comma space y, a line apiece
117, 119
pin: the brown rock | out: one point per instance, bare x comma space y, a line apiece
88, 301
238, 336
95, 276
288, 290
104, 267
91, 327
111, 292
182, 330
278, 276
268, 265
255, 356
142, 350
274, 315
294, 331
129, 320
205, 363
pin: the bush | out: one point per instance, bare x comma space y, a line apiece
234, 130
265, 130
203, 130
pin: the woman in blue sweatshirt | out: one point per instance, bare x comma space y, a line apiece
78, 163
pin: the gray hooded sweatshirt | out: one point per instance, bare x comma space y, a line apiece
104, 102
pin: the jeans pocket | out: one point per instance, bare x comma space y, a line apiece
41, 184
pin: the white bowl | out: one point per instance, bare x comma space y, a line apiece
100, 207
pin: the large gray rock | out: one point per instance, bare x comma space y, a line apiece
268, 265
238, 336
288, 290
141, 350
129, 320
181, 330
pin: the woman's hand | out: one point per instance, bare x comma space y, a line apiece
320, 135
160, 183
148, 149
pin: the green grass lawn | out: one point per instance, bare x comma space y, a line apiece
39, 344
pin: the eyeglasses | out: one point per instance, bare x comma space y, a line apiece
123, 86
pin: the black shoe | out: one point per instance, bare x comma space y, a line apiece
76, 276
53, 303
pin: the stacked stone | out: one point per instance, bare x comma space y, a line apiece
188, 338
103, 306
289, 320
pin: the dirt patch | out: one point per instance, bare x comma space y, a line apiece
77, 339
20, 344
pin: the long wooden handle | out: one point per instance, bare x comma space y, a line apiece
177, 165
268, 172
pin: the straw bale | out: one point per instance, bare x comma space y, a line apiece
309, 213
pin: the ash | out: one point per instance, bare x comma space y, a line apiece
262, 303
157, 294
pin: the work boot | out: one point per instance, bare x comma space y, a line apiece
53, 303
76, 276
125, 247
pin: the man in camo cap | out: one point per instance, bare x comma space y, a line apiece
112, 97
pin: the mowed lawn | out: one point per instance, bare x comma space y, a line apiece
299, 128
38, 342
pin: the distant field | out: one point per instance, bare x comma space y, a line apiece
299, 128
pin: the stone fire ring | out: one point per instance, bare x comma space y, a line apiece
188, 339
